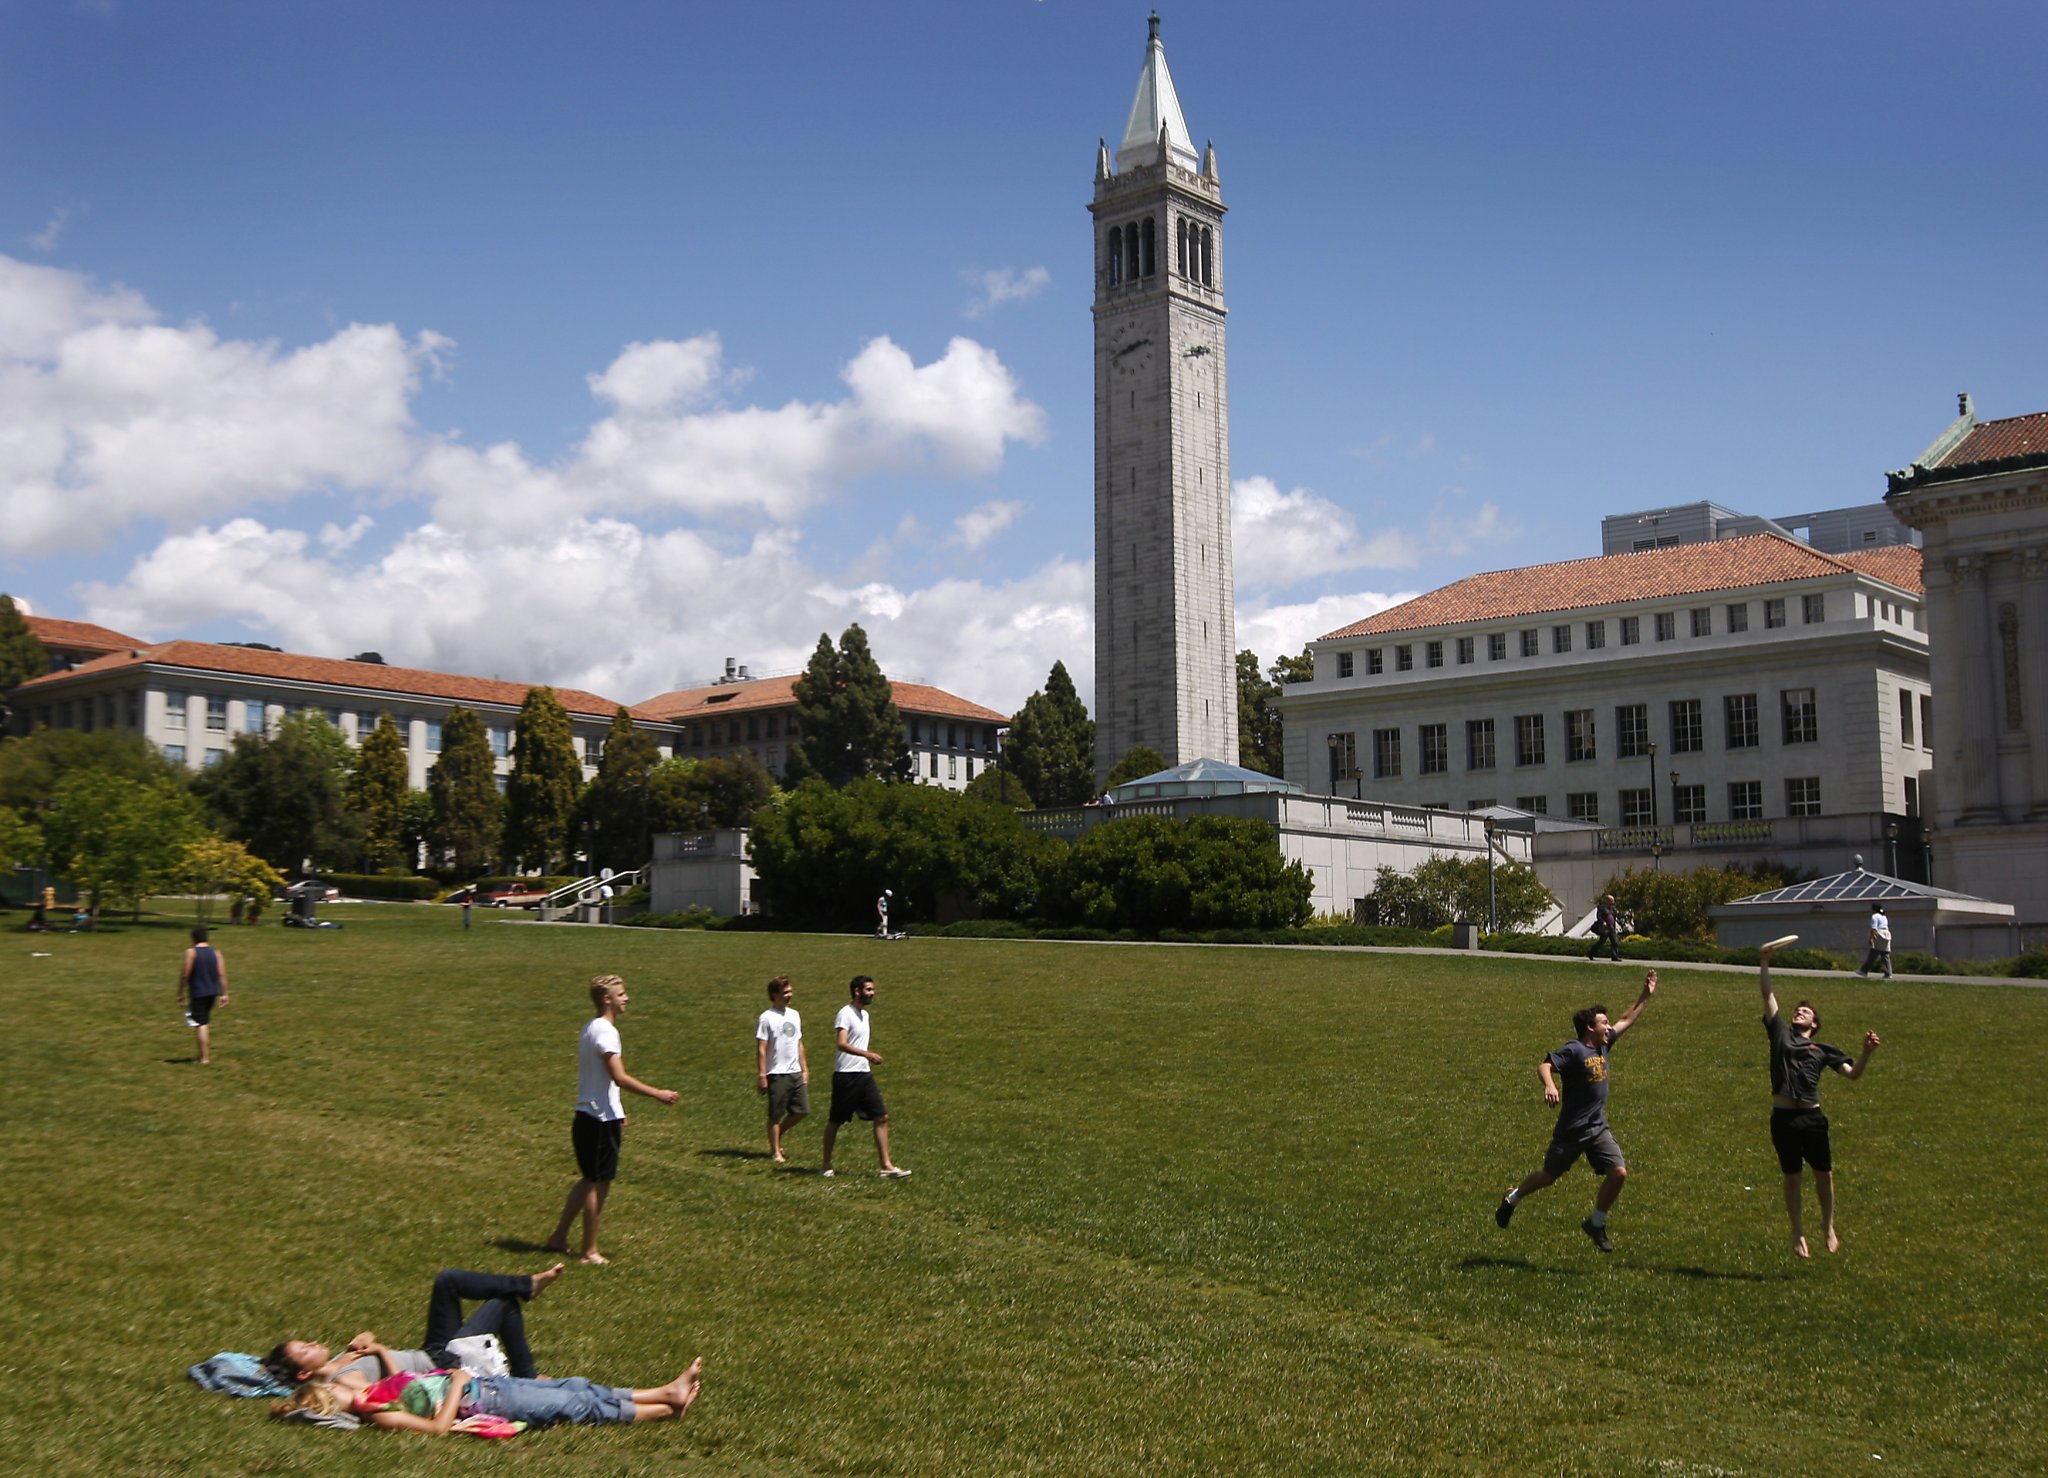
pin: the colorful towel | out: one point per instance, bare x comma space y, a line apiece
235, 1374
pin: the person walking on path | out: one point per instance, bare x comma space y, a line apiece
202, 985
1606, 929
600, 1120
1880, 951
783, 1064
1799, 1130
1582, 1064
854, 1092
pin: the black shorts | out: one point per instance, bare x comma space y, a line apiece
200, 1009
597, 1146
856, 1095
1601, 1152
1801, 1134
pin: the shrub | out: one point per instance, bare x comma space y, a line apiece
1149, 873
1443, 890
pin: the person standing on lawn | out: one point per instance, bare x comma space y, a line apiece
854, 1091
784, 1065
202, 985
1582, 1064
600, 1120
1606, 930
1799, 1130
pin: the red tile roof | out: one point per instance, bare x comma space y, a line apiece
78, 636
332, 672
762, 693
1609, 579
1895, 564
1993, 441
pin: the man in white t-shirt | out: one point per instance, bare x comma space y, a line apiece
600, 1120
784, 1066
854, 1092
1880, 951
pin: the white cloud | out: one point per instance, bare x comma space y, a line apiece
662, 376
1004, 285
1275, 631
977, 527
1281, 539
47, 238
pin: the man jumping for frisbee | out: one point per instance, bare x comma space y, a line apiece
1582, 1121
1799, 1130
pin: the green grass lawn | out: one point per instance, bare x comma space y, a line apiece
1180, 1209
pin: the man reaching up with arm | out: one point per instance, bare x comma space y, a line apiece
1799, 1130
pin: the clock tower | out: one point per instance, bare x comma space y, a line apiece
1165, 624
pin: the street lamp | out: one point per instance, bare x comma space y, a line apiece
1891, 849
1492, 898
1674, 797
1653, 785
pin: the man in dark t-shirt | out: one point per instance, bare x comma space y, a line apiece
1575, 1076
1799, 1130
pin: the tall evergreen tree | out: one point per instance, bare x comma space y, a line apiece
1138, 762
1258, 717
540, 796
377, 789
613, 813
21, 655
1051, 743
463, 789
847, 710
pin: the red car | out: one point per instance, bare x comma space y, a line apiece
513, 895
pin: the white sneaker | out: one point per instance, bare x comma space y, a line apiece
828, 1174
895, 1173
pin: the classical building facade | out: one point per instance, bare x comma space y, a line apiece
1738, 681
1165, 621
1979, 498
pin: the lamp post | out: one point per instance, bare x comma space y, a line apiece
1492, 898
1656, 854
1333, 764
1674, 797
1891, 849
1927, 846
1653, 785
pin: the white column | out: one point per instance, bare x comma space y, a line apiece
2033, 664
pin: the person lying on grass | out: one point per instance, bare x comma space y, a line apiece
295, 1361
437, 1401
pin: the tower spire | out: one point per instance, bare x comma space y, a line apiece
1154, 110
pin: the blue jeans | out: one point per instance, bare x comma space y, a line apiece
540, 1402
499, 1314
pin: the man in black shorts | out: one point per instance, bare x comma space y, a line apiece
854, 1091
1582, 1121
1799, 1130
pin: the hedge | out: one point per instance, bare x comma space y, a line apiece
383, 885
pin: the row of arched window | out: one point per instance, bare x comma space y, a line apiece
1132, 253
1197, 253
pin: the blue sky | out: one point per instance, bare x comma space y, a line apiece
596, 343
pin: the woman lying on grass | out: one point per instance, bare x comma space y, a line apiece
435, 1402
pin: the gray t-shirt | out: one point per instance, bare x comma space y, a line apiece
1582, 1074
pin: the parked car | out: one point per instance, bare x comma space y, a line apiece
319, 889
513, 895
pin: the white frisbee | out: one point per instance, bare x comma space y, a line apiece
1789, 939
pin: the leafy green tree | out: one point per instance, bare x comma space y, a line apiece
1258, 717
823, 855
998, 787
1051, 744
1445, 890
415, 823
707, 795
613, 814
211, 866
21, 655
1142, 760
283, 794
848, 715
21, 840
121, 839
377, 788
540, 795
1300, 668
1150, 873
1673, 905
462, 790
32, 768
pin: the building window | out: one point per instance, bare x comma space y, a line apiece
1912, 796
1344, 661
174, 710
1927, 723
433, 731
1465, 651
1632, 731
753, 727
1631, 631
1774, 613
217, 715
1343, 757
1703, 621
1496, 646
1479, 744
1738, 616
1404, 659
935, 764
1578, 735
1386, 753
1582, 805
1529, 643
952, 767
1433, 653
1596, 635
1667, 625
1802, 796
1529, 739
1745, 800
1688, 734
1802, 719
1375, 661
1540, 804
1434, 740
175, 753
1740, 712
1560, 638
1635, 807
1688, 803
1906, 720
213, 757
1813, 609
970, 767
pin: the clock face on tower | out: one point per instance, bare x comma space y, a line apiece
1130, 353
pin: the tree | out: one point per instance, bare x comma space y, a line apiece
375, 659
32, 768
848, 715
282, 794
1673, 905
462, 790
1300, 668
613, 813
998, 787
1258, 717
1142, 760
1211, 872
1444, 890
377, 789
540, 795
212, 866
118, 838
707, 795
21, 840
22, 656
1051, 743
